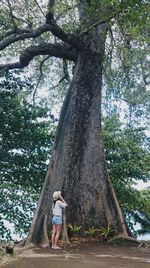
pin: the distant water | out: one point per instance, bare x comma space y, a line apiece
142, 237
145, 237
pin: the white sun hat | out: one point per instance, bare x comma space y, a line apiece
56, 195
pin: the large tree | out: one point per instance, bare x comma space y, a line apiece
78, 166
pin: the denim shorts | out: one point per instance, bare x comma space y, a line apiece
57, 219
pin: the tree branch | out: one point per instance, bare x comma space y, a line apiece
50, 6
11, 13
57, 50
39, 7
65, 70
28, 33
21, 35
14, 17
94, 25
39, 79
65, 77
49, 26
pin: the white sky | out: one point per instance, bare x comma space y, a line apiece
141, 185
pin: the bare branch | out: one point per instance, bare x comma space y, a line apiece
53, 27
65, 70
94, 25
21, 35
57, 50
21, 20
39, 7
39, 79
59, 82
7, 33
14, 17
11, 13
50, 6
49, 26
65, 76
56, 30
144, 76
112, 43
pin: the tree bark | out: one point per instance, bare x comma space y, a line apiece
78, 165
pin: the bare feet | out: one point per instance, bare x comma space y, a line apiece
56, 247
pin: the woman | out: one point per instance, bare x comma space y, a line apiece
58, 205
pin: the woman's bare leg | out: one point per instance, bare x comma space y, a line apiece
58, 231
54, 231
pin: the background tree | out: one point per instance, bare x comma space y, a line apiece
127, 156
141, 217
26, 138
78, 165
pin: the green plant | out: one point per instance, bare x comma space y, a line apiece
74, 229
91, 231
106, 232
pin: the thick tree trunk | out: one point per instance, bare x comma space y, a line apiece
78, 165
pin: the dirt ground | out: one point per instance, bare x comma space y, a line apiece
84, 255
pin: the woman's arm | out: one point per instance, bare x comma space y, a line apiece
63, 201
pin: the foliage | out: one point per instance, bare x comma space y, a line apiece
73, 229
106, 232
145, 200
128, 157
26, 138
128, 150
144, 222
126, 67
92, 231
141, 215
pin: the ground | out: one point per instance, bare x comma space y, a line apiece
85, 254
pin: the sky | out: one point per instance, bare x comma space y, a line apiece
141, 185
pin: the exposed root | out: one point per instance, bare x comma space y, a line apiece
24, 248
21, 243
123, 240
144, 244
